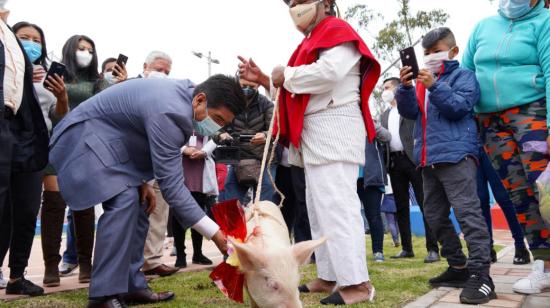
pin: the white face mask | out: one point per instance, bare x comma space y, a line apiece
109, 77
434, 62
156, 75
304, 15
83, 58
388, 96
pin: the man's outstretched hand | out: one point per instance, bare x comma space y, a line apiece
249, 71
221, 242
147, 193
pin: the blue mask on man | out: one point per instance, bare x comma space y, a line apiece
32, 49
515, 8
206, 127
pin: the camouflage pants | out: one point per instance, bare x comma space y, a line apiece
503, 135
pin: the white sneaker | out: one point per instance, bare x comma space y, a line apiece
536, 282
3, 282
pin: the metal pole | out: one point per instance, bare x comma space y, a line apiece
209, 64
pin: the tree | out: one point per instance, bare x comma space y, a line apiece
396, 35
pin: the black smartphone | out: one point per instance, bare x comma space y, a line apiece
56, 68
122, 59
245, 138
408, 58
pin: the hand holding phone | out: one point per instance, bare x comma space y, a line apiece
55, 69
121, 62
408, 58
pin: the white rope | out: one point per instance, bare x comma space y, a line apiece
256, 204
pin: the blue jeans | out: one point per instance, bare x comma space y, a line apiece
234, 190
485, 174
70, 255
371, 198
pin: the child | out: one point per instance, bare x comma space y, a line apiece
446, 149
389, 209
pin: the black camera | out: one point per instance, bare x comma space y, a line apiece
228, 151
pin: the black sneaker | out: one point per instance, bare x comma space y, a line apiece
23, 286
201, 260
452, 277
479, 289
522, 256
493, 255
181, 263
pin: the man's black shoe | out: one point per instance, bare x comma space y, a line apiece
479, 289
201, 260
23, 286
181, 263
493, 255
403, 254
432, 257
107, 302
452, 277
522, 256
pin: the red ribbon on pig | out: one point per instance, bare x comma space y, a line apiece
230, 216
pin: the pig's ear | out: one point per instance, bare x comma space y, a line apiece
249, 258
303, 250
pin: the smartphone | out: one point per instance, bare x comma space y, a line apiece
245, 138
408, 58
56, 68
122, 59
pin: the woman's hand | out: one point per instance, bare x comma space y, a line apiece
56, 85
38, 74
258, 139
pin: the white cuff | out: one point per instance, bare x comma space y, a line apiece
207, 227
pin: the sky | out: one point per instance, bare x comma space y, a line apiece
261, 29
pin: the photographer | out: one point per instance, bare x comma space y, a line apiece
248, 132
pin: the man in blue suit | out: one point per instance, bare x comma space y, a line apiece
109, 148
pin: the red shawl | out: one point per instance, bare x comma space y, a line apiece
329, 33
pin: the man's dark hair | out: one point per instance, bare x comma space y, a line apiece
439, 34
394, 81
44, 56
107, 61
224, 91
89, 73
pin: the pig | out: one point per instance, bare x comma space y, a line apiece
269, 261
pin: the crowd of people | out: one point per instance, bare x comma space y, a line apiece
141, 149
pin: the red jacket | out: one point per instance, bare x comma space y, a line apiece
329, 33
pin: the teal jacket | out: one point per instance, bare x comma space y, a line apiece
511, 59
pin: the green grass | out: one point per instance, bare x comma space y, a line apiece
397, 282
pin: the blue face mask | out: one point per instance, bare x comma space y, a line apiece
515, 8
206, 127
32, 49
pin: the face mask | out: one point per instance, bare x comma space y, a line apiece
304, 15
206, 127
109, 78
434, 62
157, 75
83, 58
32, 49
249, 92
388, 96
514, 8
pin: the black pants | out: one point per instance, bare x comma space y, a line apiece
292, 183
205, 202
18, 224
6, 151
403, 172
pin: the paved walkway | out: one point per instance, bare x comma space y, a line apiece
504, 274
35, 270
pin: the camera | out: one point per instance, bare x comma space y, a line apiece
228, 151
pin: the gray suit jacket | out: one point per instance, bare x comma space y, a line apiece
125, 136
405, 132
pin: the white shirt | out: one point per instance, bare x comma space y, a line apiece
14, 68
394, 123
333, 79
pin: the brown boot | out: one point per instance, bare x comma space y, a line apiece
51, 276
52, 216
84, 234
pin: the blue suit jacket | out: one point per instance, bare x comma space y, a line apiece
125, 136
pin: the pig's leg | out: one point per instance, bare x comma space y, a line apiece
252, 302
